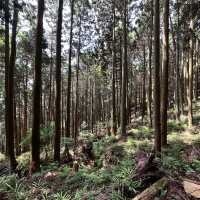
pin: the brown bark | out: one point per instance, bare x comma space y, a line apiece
157, 126
114, 125
124, 73
35, 166
190, 76
7, 55
165, 64
77, 85
68, 122
11, 147
58, 84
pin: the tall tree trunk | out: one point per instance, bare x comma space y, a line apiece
150, 68
114, 125
190, 74
7, 55
144, 86
124, 73
177, 91
77, 84
11, 147
35, 166
69, 75
157, 126
165, 64
58, 84
50, 87
25, 127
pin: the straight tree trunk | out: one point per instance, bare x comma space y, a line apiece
114, 125
11, 147
157, 125
144, 86
7, 55
35, 165
150, 68
58, 84
165, 64
77, 85
69, 73
25, 127
124, 73
177, 91
190, 74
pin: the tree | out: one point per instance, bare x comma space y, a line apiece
190, 75
177, 91
165, 71
11, 129
58, 84
68, 122
114, 126
124, 73
7, 55
35, 166
157, 124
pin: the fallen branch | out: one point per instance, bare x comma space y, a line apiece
154, 189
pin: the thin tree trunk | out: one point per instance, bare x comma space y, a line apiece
190, 73
114, 125
177, 68
68, 123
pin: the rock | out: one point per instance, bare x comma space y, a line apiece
192, 188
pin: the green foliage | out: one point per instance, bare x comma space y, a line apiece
13, 187
116, 195
62, 196
5, 181
24, 161
142, 132
196, 165
174, 126
46, 135
49, 167
65, 172
68, 141
122, 175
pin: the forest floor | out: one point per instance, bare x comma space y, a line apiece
115, 168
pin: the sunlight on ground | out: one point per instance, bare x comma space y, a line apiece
2, 157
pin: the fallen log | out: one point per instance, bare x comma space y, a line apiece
153, 190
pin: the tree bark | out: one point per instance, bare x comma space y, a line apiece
35, 166
7, 55
114, 125
165, 64
69, 72
190, 74
11, 147
124, 73
58, 84
157, 125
